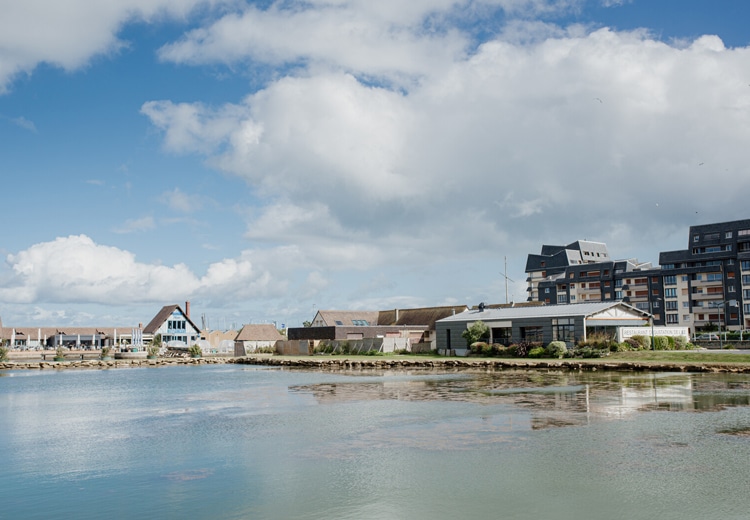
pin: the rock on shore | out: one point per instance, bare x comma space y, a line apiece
343, 363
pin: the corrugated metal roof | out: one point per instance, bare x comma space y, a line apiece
544, 311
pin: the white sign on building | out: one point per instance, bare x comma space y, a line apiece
624, 333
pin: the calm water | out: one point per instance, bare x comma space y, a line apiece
241, 442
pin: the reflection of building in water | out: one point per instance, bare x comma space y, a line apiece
553, 398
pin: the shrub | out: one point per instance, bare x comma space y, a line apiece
661, 343
488, 350
599, 341
537, 352
524, 347
195, 350
644, 342
500, 350
3, 354
589, 352
620, 347
633, 344
557, 349
510, 351
680, 342
345, 348
478, 331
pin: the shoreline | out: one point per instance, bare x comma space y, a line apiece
358, 364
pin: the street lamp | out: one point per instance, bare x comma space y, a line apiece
732, 303
651, 311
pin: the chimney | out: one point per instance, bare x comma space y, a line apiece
396, 315
187, 309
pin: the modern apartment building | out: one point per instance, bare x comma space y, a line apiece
706, 284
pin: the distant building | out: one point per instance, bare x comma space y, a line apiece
707, 284
175, 326
415, 325
254, 337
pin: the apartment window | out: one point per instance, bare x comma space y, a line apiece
654, 292
670, 293
572, 297
607, 283
685, 278
746, 308
711, 236
606, 272
672, 318
685, 305
728, 234
746, 279
572, 275
686, 317
618, 295
743, 232
654, 279
730, 288
745, 265
562, 298
670, 280
546, 290
746, 294
655, 304
696, 238
543, 264
714, 277
671, 305
618, 283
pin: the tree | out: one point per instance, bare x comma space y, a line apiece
478, 331
306, 324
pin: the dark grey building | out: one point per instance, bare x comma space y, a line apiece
569, 323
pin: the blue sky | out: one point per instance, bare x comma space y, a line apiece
265, 160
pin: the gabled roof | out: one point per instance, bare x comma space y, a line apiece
261, 332
346, 318
425, 317
162, 316
551, 311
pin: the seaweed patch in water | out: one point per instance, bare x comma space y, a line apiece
738, 432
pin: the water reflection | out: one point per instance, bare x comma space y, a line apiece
556, 398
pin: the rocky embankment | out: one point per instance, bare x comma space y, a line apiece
343, 363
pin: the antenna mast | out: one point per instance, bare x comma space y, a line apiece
505, 275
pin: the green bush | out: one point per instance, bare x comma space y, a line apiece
537, 352
3, 354
523, 348
478, 331
557, 349
589, 352
500, 350
632, 344
620, 347
661, 343
345, 348
195, 351
644, 342
598, 341
680, 342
